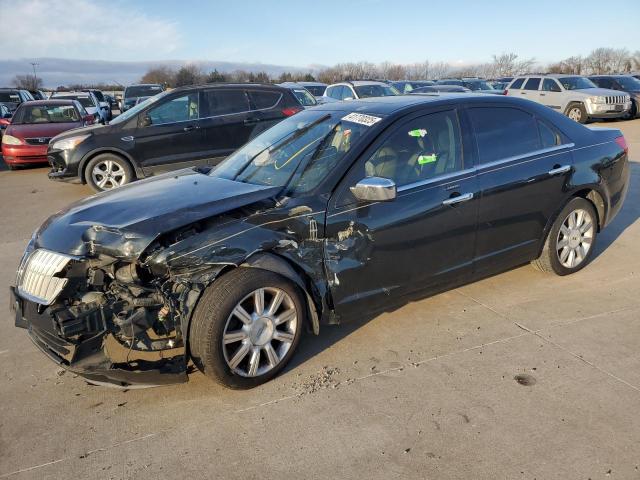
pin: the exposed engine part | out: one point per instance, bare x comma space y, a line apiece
94, 297
128, 274
133, 322
85, 318
153, 300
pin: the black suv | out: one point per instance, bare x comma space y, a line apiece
188, 126
623, 83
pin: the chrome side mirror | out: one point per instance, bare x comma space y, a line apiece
375, 189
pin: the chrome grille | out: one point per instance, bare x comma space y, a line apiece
616, 99
36, 278
38, 140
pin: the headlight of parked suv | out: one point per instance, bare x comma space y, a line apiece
69, 143
11, 140
597, 99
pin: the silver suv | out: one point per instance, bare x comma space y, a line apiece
359, 89
575, 96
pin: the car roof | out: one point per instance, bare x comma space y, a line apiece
54, 101
71, 94
227, 85
144, 85
312, 84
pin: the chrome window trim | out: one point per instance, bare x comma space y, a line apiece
537, 153
439, 178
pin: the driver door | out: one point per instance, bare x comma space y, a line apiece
169, 135
376, 252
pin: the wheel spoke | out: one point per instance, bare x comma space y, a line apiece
242, 315
258, 301
239, 355
275, 302
585, 227
285, 316
586, 240
571, 258
102, 182
564, 254
271, 354
579, 218
564, 230
235, 336
254, 362
563, 243
285, 337
572, 220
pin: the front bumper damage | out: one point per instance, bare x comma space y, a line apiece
99, 357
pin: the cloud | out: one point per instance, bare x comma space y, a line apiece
85, 29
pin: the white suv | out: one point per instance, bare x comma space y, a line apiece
575, 96
359, 89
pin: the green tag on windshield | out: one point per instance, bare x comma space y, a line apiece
424, 159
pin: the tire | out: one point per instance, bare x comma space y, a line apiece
557, 256
577, 112
117, 172
232, 363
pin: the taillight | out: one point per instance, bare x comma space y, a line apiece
287, 112
622, 142
506, 92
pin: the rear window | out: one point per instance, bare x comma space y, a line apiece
517, 83
367, 91
532, 84
9, 97
28, 114
316, 90
142, 91
504, 132
262, 100
224, 102
85, 100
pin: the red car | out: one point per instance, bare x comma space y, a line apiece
34, 123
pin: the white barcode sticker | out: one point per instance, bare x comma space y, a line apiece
361, 119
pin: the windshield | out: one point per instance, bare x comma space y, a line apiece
478, 85
299, 152
367, 91
316, 90
576, 83
132, 112
9, 97
629, 83
28, 114
304, 97
142, 91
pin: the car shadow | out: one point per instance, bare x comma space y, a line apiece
313, 345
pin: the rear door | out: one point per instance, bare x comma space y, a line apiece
524, 164
424, 238
173, 138
229, 121
530, 89
551, 94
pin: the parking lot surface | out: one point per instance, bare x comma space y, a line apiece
522, 375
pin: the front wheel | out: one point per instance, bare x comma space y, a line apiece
246, 327
108, 171
569, 245
577, 113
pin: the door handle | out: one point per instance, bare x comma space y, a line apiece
559, 169
458, 199
543, 94
251, 121
523, 93
190, 128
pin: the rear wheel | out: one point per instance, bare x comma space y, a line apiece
569, 245
577, 113
108, 171
246, 327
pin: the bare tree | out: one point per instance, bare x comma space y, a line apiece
507, 64
609, 60
28, 82
162, 74
188, 75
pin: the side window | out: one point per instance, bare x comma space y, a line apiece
347, 93
178, 109
418, 150
602, 82
335, 92
548, 135
532, 84
517, 83
550, 85
262, 100
224, 102
503, 132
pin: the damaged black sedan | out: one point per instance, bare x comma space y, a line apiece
337, 212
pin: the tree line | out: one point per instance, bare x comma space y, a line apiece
599, 61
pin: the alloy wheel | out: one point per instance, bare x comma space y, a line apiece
575, 238
109, 174
575, 114
259, 332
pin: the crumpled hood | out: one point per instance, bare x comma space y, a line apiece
123, 222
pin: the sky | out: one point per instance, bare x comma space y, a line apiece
305, 34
